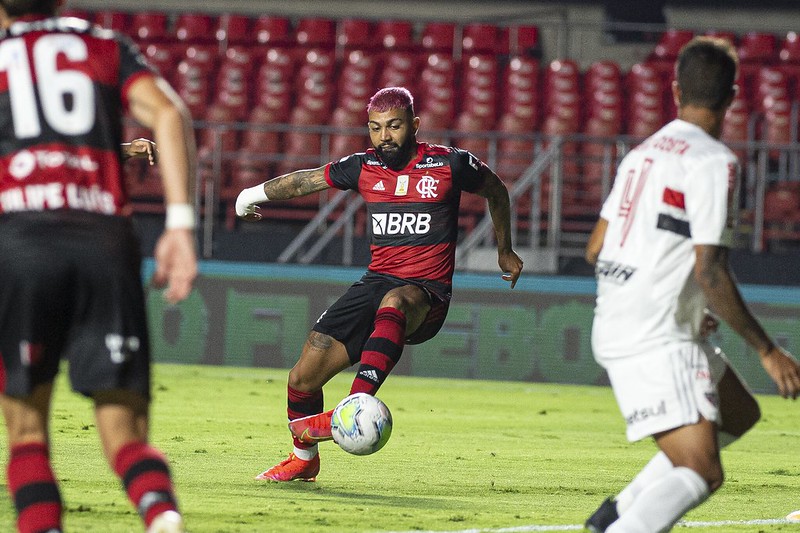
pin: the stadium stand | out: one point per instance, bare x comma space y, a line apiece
291, 93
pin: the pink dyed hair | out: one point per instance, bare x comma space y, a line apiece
391, 98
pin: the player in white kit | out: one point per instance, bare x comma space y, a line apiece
660, 250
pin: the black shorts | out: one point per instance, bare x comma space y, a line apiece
71, 288
351, 319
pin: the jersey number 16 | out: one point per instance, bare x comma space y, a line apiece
66, 95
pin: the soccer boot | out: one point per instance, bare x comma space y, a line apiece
167, 522
604, 516
291, 469
312, 429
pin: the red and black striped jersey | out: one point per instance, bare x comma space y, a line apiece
63, 91
413, 212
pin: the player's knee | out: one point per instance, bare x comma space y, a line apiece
303, 381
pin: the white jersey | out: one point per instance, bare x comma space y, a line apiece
674, 191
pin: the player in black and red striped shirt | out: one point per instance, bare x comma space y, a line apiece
70, 283
412, 192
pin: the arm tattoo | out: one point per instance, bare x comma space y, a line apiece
294, 184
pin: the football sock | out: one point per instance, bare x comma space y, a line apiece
302, 404
307, 453
381, 351
145, 475
34, 489
663, 503
654, 470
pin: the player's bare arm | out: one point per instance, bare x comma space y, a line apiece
496, 193
291, 185
596, 239
715, 278
156, 105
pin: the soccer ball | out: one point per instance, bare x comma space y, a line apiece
361, 424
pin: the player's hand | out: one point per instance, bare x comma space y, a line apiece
511, 266
140, 148
176, 264
246, 207
784, 370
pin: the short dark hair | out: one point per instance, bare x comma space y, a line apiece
18, 8
706, 72
392, 98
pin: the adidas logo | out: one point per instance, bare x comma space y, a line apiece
379, 186
370, 375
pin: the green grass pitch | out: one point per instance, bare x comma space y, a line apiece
463, 455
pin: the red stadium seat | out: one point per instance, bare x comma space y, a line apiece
165, 58
356, 33
790, 48
195, 27
480, 38
113, 20
519, 41
515, 152
395, 34
316, 33
778, 128
735, 127
670, 43
438, 36
234, 29
399, 69
757, 47
346, 143
271, 30
149, 26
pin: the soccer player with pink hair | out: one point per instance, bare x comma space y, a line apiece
412, 192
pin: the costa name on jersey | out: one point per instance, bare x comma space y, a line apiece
59, 148
413, 212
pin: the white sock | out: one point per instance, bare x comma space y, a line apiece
658, 466
306, 454
663, 503
654, 470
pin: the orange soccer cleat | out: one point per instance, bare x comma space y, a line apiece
291, 469
312, 429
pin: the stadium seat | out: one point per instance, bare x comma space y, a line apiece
165, 58
790, 48
479, 38
351, 117
438, 37
670, 43
515, 151
233, 29
395, 34
782, 212
519, 41
604, 76
562, 76
195, 27
778, 127
203, 56
757, 47
355, 33
315, 33
272, 30
735, 126
399, 69
149, 26
770, 82
113, 20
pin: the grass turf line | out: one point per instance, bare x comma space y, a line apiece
463, 455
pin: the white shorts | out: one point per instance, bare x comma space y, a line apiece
667, 388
